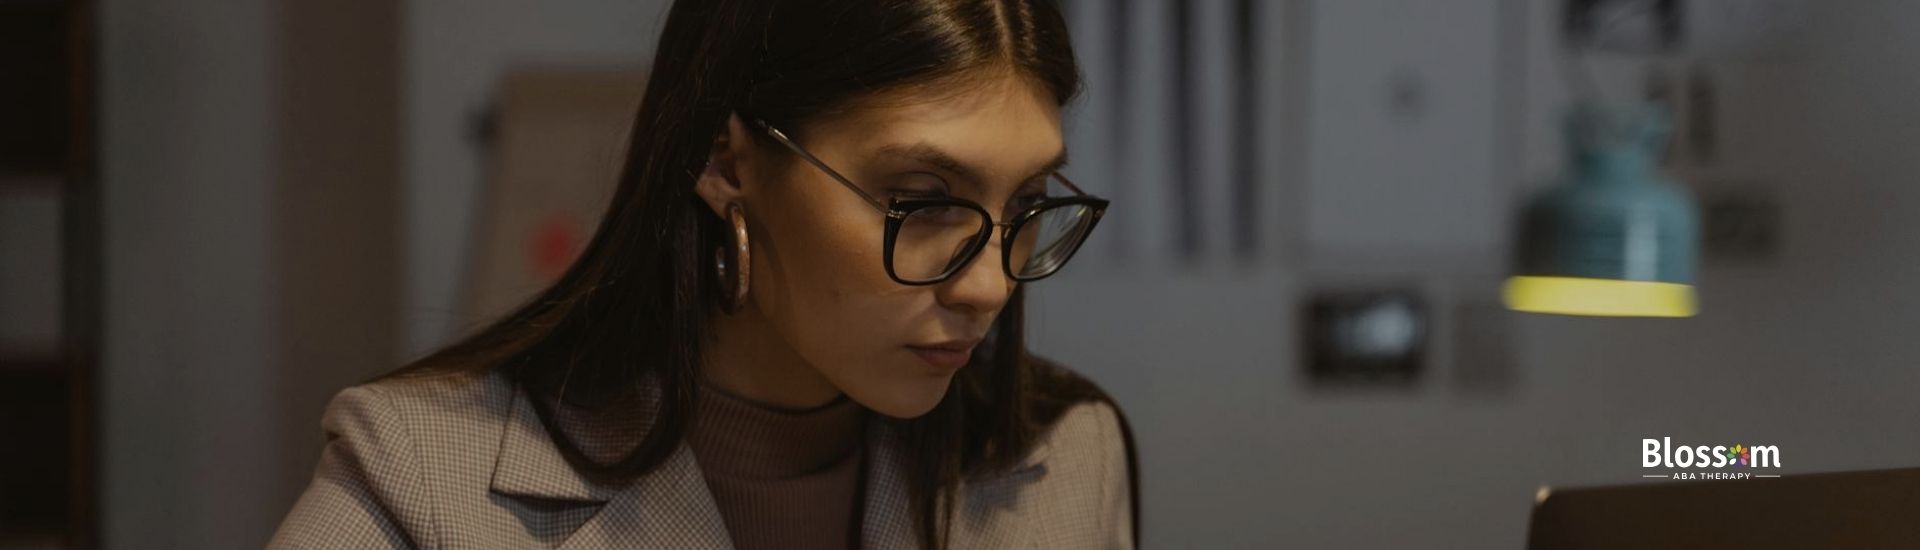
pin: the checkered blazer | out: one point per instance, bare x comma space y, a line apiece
463, 462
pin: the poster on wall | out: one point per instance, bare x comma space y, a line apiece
557, 146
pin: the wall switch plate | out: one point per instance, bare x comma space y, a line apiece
1365, 337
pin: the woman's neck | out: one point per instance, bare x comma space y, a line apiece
747, 358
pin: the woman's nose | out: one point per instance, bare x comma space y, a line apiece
981, 285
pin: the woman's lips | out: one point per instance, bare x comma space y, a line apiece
945, 357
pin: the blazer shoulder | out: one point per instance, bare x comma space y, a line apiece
1088, 484
428, 400
426, 422
383, 469
1088, 430
1091, 420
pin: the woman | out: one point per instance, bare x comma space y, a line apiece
798, 325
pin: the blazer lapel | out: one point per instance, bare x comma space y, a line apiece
888, 519
669, 507
528, 464
989, 514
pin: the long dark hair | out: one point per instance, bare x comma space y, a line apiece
637, 304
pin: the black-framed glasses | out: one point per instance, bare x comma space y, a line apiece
930, 238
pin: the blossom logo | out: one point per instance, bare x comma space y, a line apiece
1661, 453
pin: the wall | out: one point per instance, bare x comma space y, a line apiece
185, 102
336, 234
456, 53
249, 189
1809, 353
257, 171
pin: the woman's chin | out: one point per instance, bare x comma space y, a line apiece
904, 400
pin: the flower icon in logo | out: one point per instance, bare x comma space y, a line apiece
1737, 455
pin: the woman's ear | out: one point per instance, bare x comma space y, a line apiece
720, 184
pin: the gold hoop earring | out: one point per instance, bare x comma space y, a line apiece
742, 261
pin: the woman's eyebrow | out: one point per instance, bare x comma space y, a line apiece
928, 153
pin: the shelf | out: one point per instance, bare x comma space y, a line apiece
31, 181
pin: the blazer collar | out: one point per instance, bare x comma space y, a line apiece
669, 507
529, 465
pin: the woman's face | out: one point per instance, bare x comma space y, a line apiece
819, 278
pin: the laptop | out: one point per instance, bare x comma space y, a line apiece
1865, 509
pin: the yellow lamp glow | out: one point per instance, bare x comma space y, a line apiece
1599, 297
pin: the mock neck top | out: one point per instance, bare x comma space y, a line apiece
781, 476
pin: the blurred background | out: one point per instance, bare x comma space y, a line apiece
214, 215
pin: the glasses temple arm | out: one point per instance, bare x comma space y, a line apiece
1069, 183
817, 163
